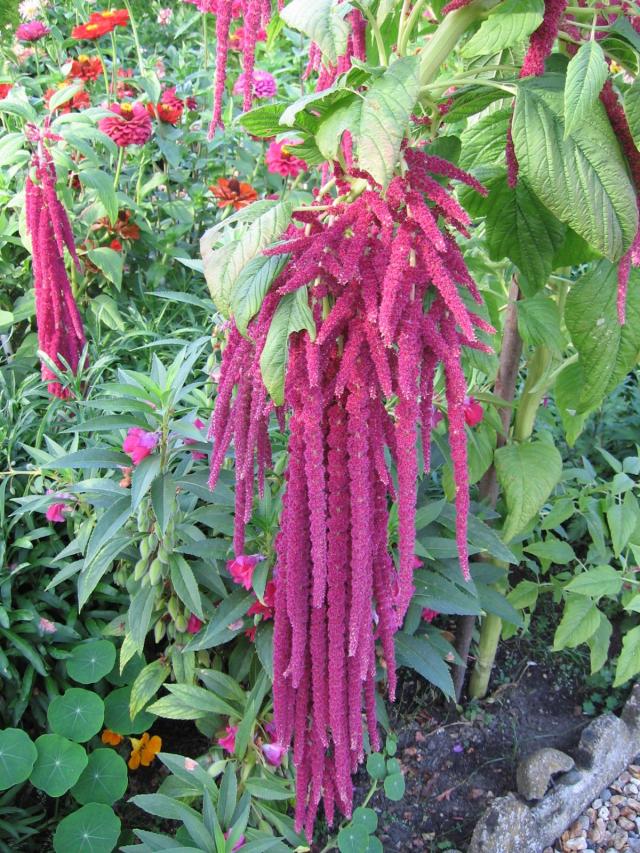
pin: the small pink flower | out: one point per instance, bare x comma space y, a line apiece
190, 764
32, 31
473, 411
428, 615
264, 85
274, 753
281, 161
241, 569
228, 742
194, 624
235, 626
139, 444
164, 17
46, 627
55, 512
239, 843
196, 454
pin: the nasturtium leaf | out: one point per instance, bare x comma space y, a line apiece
58, 765
527, 473
366, 818
118, 718
292, 315
632, 109
17, 757
520, 227
508, 24
354, 838
376, 768
582, 178
94, 828
375, 845
91, 661
384, 118
77, 714
394, 786
103, 780
586, 75
629, 660
323, 21
580, 620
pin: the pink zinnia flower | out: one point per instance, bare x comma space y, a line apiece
274, 753
139, 444
194, 624
46, 627
228, 742
281, 161
264, 85
55, 512
241, 569
473, 412
131, 124
164, 17
32, 31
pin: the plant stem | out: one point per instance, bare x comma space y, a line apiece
406, 27
382, 53
134, 30
116, 178
104, 73
205, 39
114, 61
489, 639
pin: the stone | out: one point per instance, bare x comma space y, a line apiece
597, 804
626, 824
536, 771
575, 843
507, 826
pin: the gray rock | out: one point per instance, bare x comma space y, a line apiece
506, 827
536, 771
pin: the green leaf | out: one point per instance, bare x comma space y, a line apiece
91, 661
118, 718
148, 681
552, 550
272, 788
418, 653
25, 649
509, 23
365, 818
568, 390
185, 585
599, 644
527, 473
104, 779
394, 787
233, 607
386, 110
493, 601
323, 21
629, 660
92, 829
58, 765
520, 228
110, 522
142, 478
93, 457
189, 702
580, 620
354, 838
632, 109
293, 314
64, 94
485, 140
263, 121
622, 519
252, 286
586, 75
376, 767
539, 322
607, 350
77, 714
596, 582
345, 115
264, 646
102, 183
17, 757
139, 616
163, 494
223, 265
582, 178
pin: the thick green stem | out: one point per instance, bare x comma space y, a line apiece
134, 31
487, 647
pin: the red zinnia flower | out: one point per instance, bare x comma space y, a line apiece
167, 113
5, 88
113, 17
122, 227
85, 68
131, 124
231, 191
92, 30
116, 245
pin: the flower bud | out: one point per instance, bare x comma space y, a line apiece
155, 572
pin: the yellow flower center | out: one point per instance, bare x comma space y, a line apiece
83, 58
92, 27
126, 108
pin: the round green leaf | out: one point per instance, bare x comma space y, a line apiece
393, 766
89, 662
353, 839
77, 714
375, 846
92, 829
366, 818
17, 757
58, 765
394, 786
117, 717
104, 779
391, 746
376, 766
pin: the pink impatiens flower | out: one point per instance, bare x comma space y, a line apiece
228, 742
190, 764
55, 512
428, 615
241, 569
274, 753
473, 412
164, 17
46, 627
196, 454
139, 444
264, 85
32, 31
194, 624
281, 161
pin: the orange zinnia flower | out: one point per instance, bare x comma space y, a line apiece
111, 738
143, 750
231, 191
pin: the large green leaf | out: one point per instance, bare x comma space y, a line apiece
418, 653
607, 350
58, 765
91, 661
104, 779
223, 265
527, 473
539, 322
520, 228
386, 110
582, 178
586, 75
629, 660
568, 389
632, 109
77, 714
17, 757
292, 315
92, 829
509, 23
252, 286
323, 21
580, 620
484, 142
